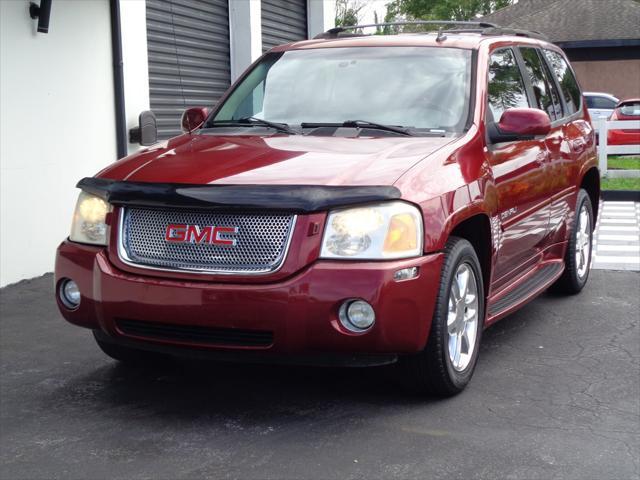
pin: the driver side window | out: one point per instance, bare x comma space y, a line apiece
506, 86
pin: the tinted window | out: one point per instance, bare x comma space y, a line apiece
424, 88
544, 90
506, 87
567, 81
600, 102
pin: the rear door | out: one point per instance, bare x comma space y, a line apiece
576, 143
545, 95
520, 174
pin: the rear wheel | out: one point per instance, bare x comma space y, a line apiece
577, 259
446, 364
129, 356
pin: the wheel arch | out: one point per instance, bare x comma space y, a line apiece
591, 183
476, 229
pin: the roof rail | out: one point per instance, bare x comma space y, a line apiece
483, 28
336, 31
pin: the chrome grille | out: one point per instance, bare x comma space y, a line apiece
260, 247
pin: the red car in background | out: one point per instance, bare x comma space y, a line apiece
625, 110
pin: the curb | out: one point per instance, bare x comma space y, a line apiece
621, 195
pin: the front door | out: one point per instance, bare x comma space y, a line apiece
520, 171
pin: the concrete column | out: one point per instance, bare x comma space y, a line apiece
135, 63
321, 16
245, 30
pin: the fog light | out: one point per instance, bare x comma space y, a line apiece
69, 293
356, 315
405, 274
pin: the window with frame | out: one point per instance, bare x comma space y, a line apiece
600, 102
506, 86
567, 81
544, 90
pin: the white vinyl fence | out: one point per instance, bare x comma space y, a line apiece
605, 150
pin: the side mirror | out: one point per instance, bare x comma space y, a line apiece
520, 124
193, 118
146, 133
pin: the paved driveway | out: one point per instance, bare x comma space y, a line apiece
556, 395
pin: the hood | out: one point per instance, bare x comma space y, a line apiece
276, 160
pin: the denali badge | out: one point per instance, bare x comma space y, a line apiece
180, 233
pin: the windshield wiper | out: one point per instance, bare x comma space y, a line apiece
359, 124
378, 126
283, 127
253, 122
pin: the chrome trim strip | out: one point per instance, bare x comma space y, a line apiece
124, 257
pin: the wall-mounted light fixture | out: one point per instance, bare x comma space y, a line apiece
42, 12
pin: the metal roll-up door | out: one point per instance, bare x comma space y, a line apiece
283, 21
188, 44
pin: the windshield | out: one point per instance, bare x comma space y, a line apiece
415, 87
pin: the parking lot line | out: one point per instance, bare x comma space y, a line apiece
618, 238
632, 221
618, 248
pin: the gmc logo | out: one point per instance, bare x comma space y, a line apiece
180, 233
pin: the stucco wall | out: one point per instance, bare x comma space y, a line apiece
56, 125
618, 77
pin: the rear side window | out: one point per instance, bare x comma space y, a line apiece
544, 90
600, 102
506, 87
568, 84
631, 109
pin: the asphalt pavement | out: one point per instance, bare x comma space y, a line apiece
556, 394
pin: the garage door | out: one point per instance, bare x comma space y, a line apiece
283, 21
188, 43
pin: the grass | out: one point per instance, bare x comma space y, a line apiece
623, 163
620, 184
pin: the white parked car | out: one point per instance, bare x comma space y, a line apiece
600, 104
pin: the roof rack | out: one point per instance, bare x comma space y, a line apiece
483, 28
336, 31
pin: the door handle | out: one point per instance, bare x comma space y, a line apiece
577, 145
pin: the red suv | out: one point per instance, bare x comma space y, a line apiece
352, 200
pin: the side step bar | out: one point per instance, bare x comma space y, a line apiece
529, 287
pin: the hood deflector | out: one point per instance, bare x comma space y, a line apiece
290, 198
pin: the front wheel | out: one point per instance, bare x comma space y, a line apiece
577, 259
446, 364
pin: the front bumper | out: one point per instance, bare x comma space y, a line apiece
300, 311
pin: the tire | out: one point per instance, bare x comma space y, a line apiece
128, 356
578, 265
432, 371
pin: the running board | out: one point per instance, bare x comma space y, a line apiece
530, 287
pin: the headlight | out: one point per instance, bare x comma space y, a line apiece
89, 220
383, 231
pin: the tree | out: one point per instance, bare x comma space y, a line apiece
442, 9
347, 12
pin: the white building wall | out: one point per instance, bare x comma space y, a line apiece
57, 120
57, 125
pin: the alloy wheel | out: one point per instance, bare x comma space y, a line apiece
462, 319
583, 242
